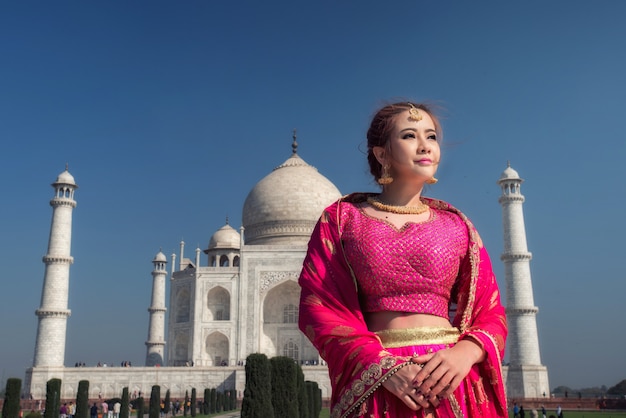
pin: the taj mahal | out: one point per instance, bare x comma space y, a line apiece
240, 295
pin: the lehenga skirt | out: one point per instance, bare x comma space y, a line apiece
415, 342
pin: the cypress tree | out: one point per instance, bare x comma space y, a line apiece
186, 406
213, 403
205, 401
257, 395
124, 412
11, 406
233, 399
141, 407
314, 394
219, 407
303, 405
284, 387
226, 400
82, 399
155, 402
167, 402
193, 402
53, 398
310, 394
317, 399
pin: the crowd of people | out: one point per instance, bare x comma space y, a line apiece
124, 363
519, 412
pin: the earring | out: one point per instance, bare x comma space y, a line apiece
432, 180
385, 178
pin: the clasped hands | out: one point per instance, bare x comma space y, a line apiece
434, 376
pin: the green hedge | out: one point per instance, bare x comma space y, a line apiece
11, 406
155, 402
53, 398
82, 399
284, 387
257, 395
124, 409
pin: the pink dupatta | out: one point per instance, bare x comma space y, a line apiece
331, 317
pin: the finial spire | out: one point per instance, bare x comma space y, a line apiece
227, 220
67, 166
294, 145
508, 163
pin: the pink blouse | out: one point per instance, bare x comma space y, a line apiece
411, 269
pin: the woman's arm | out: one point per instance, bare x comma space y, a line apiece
331, 317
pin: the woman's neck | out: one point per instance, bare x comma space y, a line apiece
401, 195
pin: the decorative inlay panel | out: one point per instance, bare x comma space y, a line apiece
268, 278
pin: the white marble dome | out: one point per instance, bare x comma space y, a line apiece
509, 174
65, 178
225, 238
284, 207
160, 257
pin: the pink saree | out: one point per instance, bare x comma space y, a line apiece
331, 317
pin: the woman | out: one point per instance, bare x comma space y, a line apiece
381, 276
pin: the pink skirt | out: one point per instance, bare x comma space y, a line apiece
410, 342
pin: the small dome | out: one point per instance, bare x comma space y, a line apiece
284, 206
225, 237
65, 178
509, 174
160, 258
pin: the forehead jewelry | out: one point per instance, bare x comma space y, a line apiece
414, 114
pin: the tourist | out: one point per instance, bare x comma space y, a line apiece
105, 409
94, 410
392, 348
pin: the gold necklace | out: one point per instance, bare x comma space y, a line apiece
402, 210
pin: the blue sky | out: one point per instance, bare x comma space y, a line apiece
168, 113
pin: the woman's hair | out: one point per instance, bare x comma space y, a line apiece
382, 125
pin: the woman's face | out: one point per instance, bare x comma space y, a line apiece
413, 153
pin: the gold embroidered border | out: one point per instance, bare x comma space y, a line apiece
456, 408
358, 386
497, 362
391, 338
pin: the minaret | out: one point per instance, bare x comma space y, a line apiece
526, 377
156, 333
53, 311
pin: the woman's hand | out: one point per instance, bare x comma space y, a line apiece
401, 385
443, 371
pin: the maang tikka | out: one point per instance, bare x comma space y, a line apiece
414, 113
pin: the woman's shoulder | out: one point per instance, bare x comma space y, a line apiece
356, 198
444, 207
348, 202
447, 208
344, 209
